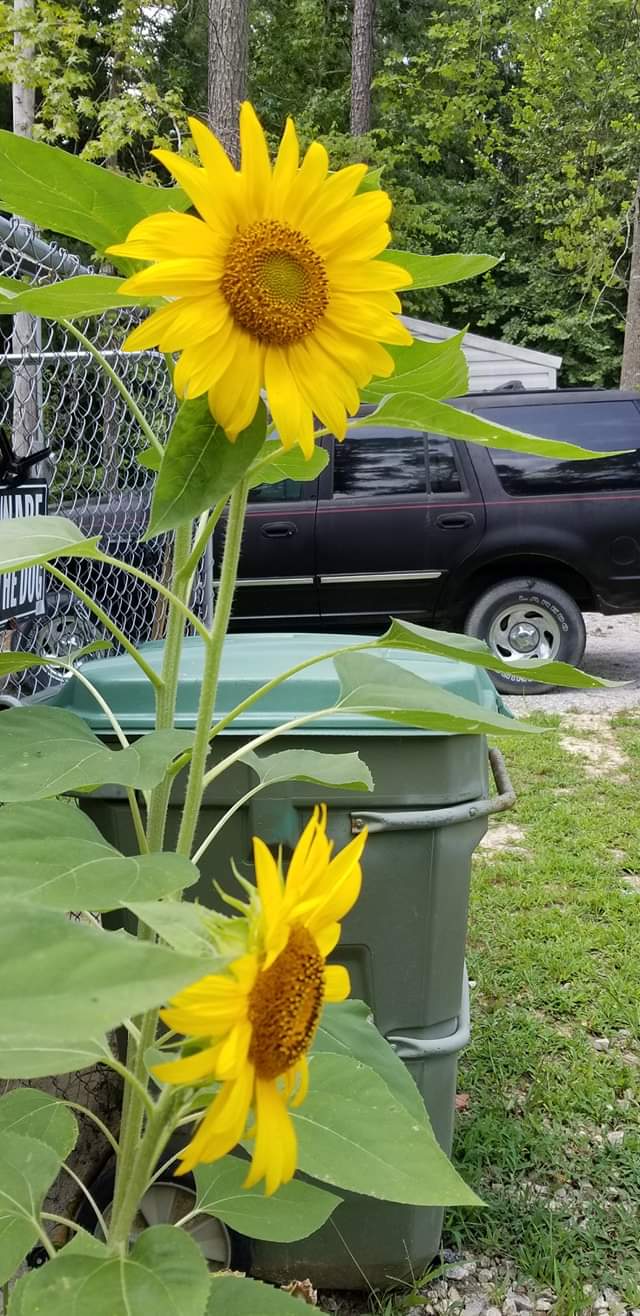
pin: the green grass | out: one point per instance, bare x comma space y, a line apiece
554, 947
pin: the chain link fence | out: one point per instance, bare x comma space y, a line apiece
54, 395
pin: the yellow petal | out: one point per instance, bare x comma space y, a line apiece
181, 323
275, 1152
292, 417
255, 163
319, 389
199, 187
327, 939
285, 168
174, 278
332, 196
363, 358
202, 364
337, 983
310, 176
269, 885
363, 213
225, 181
233, 1052
366, 276
233, 399
223, 1124
301, 1072
188, 1069
360, 318
167, 236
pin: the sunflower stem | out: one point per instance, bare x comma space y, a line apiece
140, 1168
211, 669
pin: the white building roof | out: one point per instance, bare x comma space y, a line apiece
493, 363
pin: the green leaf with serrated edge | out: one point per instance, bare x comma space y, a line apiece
468, 649
409, 411
183, 926
374, 687
437, 369
27, 1169
56, 190
233, 1295
47, 751
39, 1115
28, 540
150, 458
353, 1132
346, 771
371, 182
61, 980
51, 853
348, 1029
82, 295
288, 466
165, 1274
46, 1059
436, 271
200, 465
295, 1211
80, 1244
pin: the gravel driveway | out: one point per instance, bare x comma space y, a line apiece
613, 651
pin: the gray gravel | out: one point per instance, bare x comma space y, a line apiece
613, 651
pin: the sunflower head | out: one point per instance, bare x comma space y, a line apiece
274, 284
255, 1023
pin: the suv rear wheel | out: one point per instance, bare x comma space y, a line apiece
526, 618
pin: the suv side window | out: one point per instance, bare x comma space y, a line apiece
444, 475
376, 463
600, 426
283, 491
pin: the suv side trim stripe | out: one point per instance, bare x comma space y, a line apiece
255, 581
369, 577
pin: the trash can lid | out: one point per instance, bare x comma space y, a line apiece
249, 661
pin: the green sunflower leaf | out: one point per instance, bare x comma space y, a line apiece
39, 1115
346, 771
413, 411
47, 1058
233, 1295
28, 1167
200, 465
165, 1272
29, 540
291, 465
348, 1029
183, 926
436, 271
353, 1132
468, 649
51, 853
295, 1211
61, 979
82, 295
47, 751
438, 370
374, 687
56, 190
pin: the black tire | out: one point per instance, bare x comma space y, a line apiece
537, 608
237, 1252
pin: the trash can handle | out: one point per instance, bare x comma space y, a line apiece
401, 820
419, 1048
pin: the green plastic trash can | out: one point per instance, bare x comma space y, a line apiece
404, 942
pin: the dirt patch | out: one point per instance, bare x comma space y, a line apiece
595, 744
503, 836
631, 880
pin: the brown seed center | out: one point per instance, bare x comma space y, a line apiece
285, 1005
275, 284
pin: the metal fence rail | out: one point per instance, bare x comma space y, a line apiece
53, 395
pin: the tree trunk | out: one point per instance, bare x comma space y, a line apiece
361, 65
630, 373
26, 336
228, 54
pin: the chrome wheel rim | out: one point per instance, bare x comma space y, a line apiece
524, 632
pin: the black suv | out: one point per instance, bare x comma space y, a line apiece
505, 546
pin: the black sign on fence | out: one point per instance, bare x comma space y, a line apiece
22, 593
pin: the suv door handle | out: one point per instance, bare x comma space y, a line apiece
279, 529
455, 520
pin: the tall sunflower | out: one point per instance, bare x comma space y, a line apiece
255, 1023
274, 285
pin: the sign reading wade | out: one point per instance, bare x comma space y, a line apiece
22, 593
